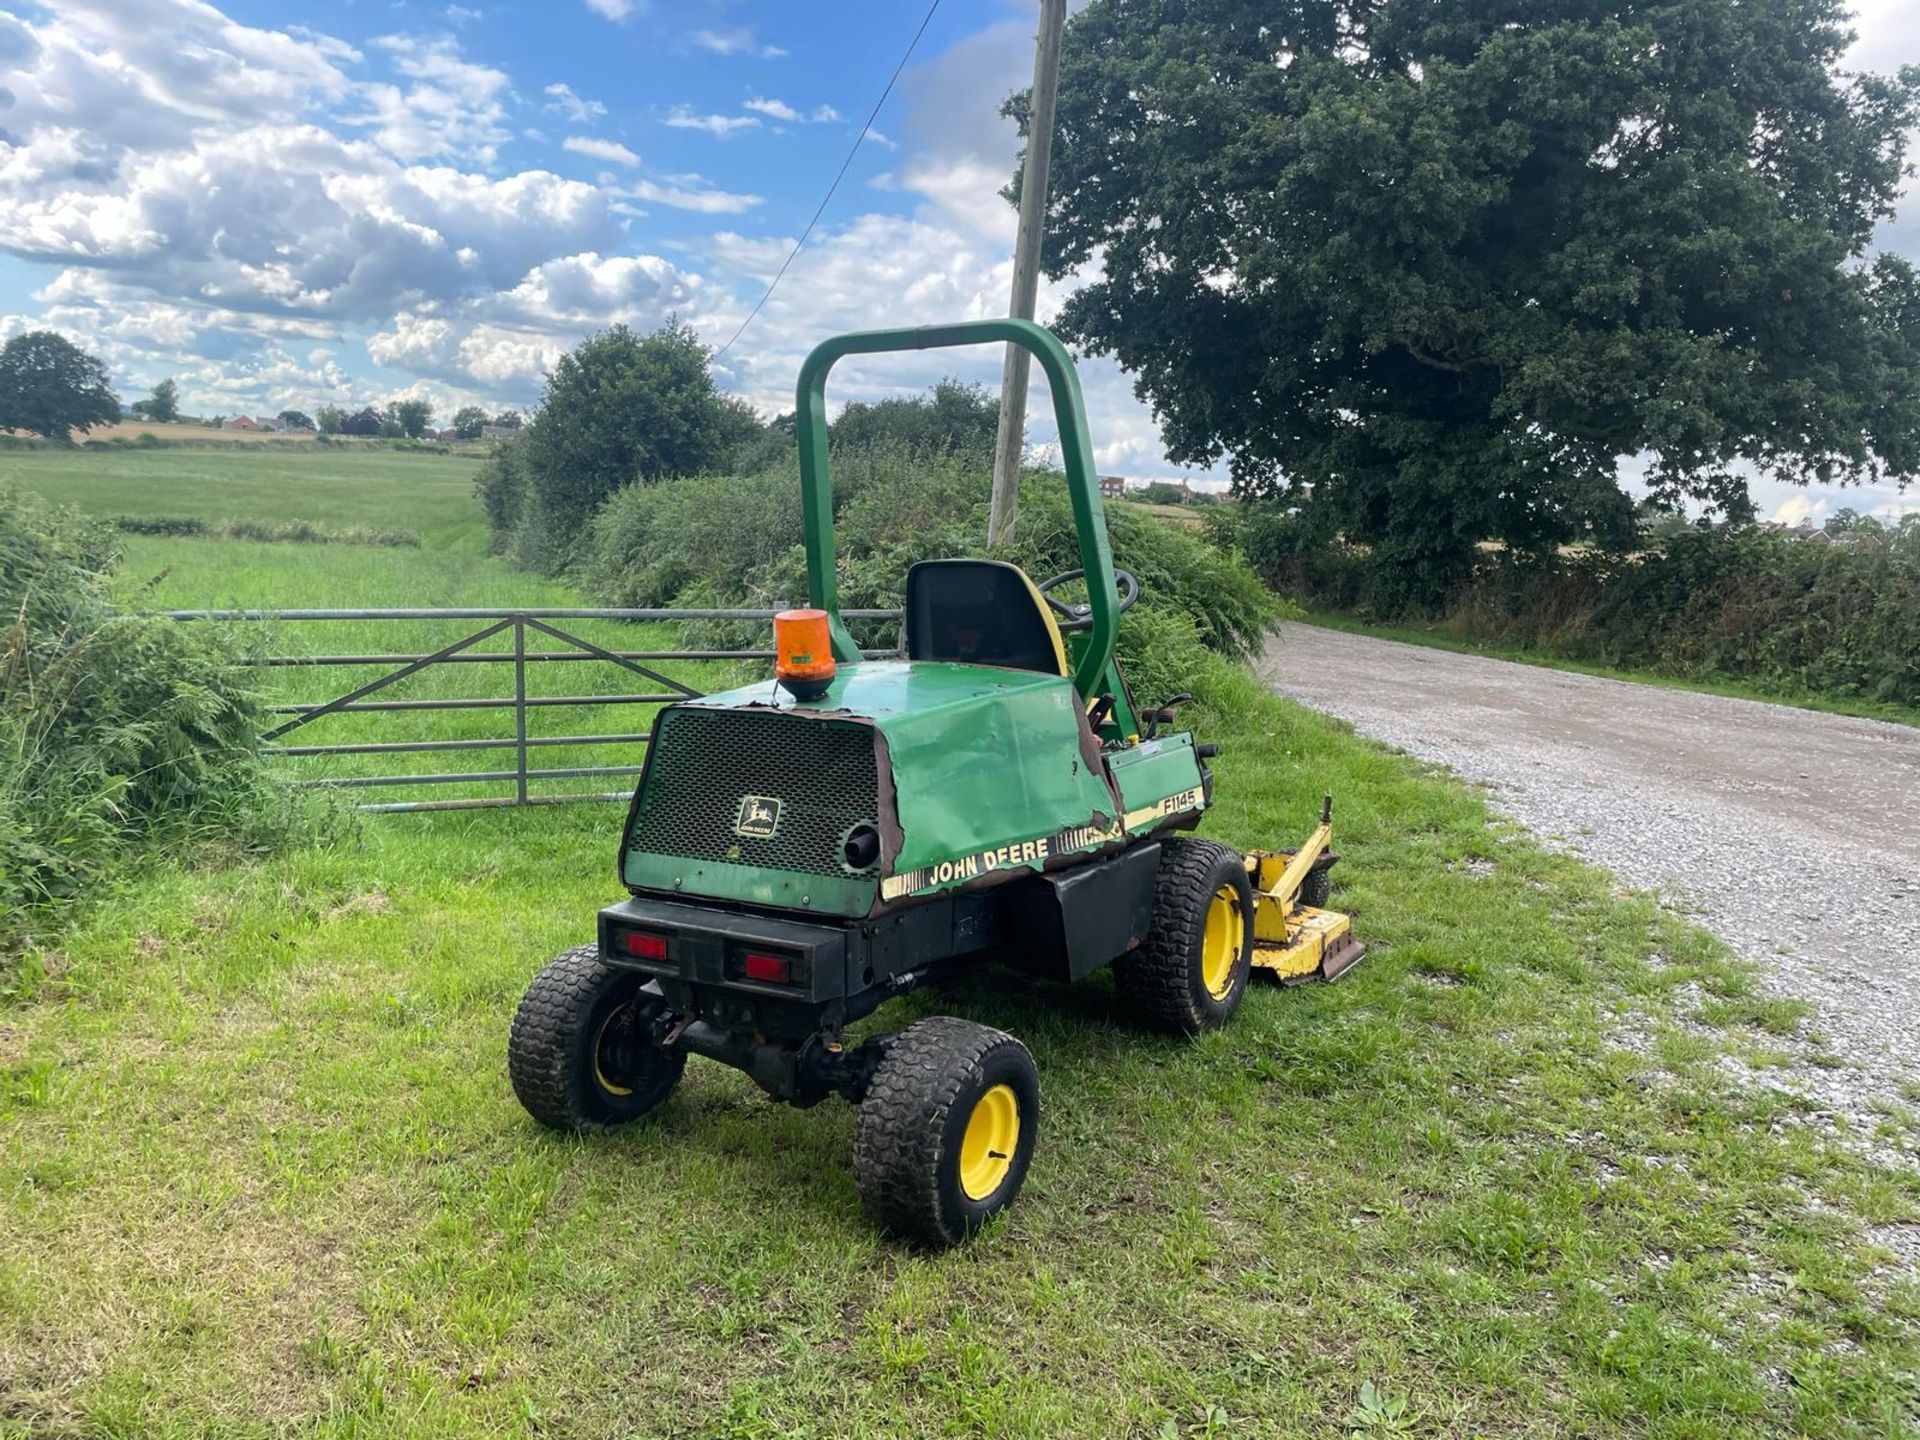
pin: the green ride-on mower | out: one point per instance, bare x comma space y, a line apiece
801, 852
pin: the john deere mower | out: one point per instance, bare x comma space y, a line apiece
799, 852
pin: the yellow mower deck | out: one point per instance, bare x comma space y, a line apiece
1291, 941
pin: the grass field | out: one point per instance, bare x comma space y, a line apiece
261, 1172
431, 494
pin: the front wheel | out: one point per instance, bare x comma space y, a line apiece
582, 1054
1190, 973
946, 1130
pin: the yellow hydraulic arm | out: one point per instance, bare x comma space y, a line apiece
1291, 941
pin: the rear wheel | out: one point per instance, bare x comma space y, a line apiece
582, 1054
1317, 888
1190, 973
947, 1129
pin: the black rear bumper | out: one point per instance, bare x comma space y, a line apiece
703, 973
1061, 924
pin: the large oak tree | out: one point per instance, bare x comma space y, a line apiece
1436, 268
52, 387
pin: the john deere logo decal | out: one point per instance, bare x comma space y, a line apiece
759, 817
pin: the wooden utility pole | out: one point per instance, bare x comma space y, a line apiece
1026, 271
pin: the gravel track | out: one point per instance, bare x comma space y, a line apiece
1794, 835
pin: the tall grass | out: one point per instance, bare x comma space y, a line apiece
119, 733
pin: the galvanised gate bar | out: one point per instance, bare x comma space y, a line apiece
556, 645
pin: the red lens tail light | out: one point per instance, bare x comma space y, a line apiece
644, 946
758, 965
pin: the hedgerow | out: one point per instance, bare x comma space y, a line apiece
1837, 617
120, 733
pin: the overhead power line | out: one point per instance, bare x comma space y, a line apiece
845, 164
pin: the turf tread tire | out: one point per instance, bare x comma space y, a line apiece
1317, 889
549, 1049
1161, 978
905, 1148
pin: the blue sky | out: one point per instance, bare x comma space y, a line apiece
294, 204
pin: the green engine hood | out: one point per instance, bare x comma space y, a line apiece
979, 770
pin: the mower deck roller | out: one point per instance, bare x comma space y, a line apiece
795, 857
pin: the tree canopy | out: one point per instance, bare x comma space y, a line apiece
364, 421
618, 408
1435, 268
469, 421
409, 417
51, 386
949, 417
162, 404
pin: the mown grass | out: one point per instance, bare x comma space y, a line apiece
261, 1171
1440, 639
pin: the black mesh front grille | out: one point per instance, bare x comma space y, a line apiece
703, 764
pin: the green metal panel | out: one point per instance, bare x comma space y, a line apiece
994, 778
1157, 779
989, 769
1076, 450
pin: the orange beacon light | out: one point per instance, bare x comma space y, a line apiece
803, 652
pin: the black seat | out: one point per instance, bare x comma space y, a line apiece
981, 612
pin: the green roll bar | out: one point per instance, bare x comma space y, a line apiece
1076, 450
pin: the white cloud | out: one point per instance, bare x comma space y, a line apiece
615, 10
740, 40
454, 107
778, 109
682, 118
506, 343
146, 79
700, 198
781, 110
562, 100
610, 151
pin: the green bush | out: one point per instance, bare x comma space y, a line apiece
119, 733
618, 408
718, 542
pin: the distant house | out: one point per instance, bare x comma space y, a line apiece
498, 432
241, 422
1112, 487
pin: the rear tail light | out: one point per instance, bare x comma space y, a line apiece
759, 965
644, 946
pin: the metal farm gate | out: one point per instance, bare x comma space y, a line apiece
511, 630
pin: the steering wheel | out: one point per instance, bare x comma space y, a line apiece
1080, 617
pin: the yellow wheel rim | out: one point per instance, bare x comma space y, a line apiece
1222, 941
993, 1134
607, 1084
